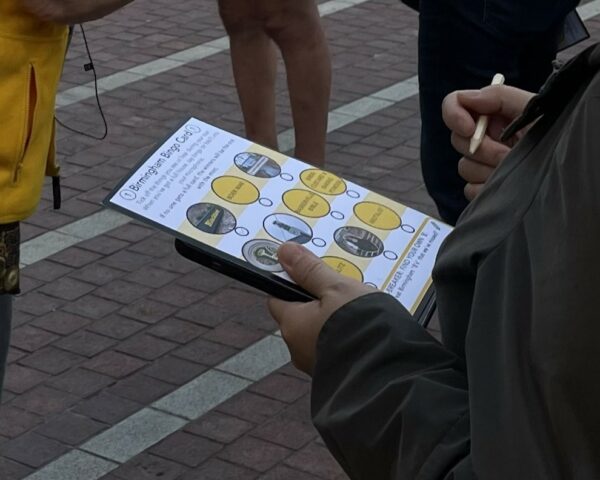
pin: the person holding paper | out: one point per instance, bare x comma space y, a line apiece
33, 40
256, 28
513, 391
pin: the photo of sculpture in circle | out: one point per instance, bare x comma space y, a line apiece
262, 254
257, 165
211, 218
287, 228
358, 241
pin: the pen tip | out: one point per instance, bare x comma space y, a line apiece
498, 79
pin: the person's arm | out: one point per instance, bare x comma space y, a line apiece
461, 109
72, 11
388, 399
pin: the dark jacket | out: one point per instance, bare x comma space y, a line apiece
514, 391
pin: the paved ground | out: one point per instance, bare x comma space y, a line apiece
109, 329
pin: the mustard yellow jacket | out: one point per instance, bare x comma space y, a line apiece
31, 60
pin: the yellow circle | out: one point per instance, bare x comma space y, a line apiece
344, 267
305, 203
323, 182
377, 215
235, 190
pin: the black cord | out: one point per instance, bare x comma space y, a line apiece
89, 66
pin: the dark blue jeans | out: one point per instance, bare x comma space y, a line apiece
462, 44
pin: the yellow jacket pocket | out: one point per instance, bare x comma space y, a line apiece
29, 74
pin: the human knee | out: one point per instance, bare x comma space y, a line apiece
295, 27
236, 17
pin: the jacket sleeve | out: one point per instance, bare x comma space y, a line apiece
388, 399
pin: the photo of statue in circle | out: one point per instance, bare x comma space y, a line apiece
359, 242
287, 228
257, 165
262, 254
211, 218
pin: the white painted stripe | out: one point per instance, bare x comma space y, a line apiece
328, 8
55, 241
89, 227
178, 59
196, 53
45, 245
258, 360
133, 435
75, 465
202, 394
589, 10
353, 111
364, 107
399, 91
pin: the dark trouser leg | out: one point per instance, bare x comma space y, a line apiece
5, 325
458, 50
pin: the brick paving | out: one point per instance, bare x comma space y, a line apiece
108, 326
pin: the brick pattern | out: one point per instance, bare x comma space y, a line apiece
106, 327
251, 436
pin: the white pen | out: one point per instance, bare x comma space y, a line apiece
482, 123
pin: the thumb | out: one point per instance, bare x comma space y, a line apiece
306, 269
277, 309
508, 102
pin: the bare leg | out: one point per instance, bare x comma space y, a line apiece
253, 56
297, 31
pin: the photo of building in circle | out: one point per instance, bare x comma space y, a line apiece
359, 242
257, 165
211, 218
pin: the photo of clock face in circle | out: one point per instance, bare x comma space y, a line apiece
287, 228
358, 241
257, 165
262, 254
211, 218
